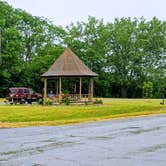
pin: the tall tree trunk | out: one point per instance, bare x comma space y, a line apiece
123, 92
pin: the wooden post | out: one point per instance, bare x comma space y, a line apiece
57, 87
60, 89
80, 91
91, 86
89, 89
45, 89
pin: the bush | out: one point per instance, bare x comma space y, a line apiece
66, 101
48, 102
98, 101
40, 101
86, 102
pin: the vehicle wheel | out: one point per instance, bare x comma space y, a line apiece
29, 101
22, 101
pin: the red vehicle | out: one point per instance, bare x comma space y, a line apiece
22, 95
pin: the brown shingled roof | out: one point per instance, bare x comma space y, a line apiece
68, 64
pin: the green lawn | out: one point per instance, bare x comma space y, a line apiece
35, 115
2, 99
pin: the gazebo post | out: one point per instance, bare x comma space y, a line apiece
57, 87
89, 91
45, 89
60, 89
80, 90
91, 86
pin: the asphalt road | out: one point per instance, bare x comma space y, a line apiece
135, 142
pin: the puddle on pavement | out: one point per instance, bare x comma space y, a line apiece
128, 128
140, 131
154, 148
102, 138
35, 150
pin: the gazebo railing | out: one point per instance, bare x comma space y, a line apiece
78, 97
72, 97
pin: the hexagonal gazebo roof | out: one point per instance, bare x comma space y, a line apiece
69, 65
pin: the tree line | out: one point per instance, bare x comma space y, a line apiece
128, 54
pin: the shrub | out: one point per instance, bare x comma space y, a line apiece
40, 101
86, 102
66, 101
98, 101
48, 101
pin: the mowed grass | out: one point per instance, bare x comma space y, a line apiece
36, 115
2, 99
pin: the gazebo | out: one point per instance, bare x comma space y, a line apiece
69, 65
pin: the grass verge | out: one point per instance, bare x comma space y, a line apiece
25, 115
2, 99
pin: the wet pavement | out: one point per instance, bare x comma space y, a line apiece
136, 142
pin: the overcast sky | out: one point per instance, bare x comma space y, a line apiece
63, 12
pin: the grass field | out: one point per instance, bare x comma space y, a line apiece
1, 99
36, 115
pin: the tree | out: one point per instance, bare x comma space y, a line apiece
148, 89
23, 38
126, 53
90, 42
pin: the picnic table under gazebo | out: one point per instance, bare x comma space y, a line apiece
68, 65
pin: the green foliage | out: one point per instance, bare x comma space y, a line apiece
148, 89
124, 53
98, 101
24, 40
66, 100
40, 101
47, 101
86, 102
